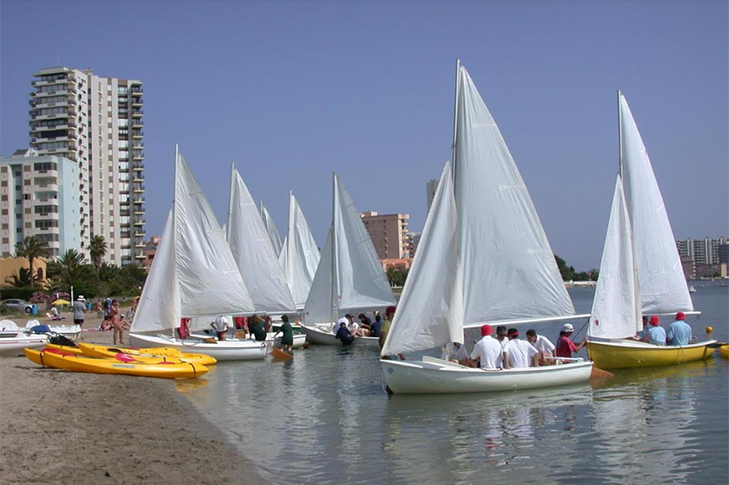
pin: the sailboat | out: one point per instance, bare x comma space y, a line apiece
483, 258
349, 277
640, 272
193, 275
271, 229
299, 257
255, 255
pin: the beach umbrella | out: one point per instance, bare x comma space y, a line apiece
61, 302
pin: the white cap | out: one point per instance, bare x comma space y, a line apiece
81, 298
567, 327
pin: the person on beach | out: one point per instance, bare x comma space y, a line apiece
79, 310
487, 353
287, 335
679, 332
389, 315
99, 309
220, 326
519, 353
343, 333
106, 324
118, 325
656, 333
255, 326
565, 346
543, 345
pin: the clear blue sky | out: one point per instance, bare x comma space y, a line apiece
291, 91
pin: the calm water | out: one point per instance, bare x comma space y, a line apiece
324, 418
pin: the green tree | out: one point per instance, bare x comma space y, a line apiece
70, 270
97, 250
32, 248
397, 277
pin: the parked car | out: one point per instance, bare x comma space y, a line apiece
18, 305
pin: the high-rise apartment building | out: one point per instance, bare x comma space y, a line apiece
389, 234
703, 251
39, 196
96, 122
430, 187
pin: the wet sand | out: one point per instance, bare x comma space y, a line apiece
64, 427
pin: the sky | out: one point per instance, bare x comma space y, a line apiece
292, 91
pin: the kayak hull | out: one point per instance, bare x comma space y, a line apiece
626, 354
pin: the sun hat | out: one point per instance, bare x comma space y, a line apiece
485, 330
81, 298
655, 321
567, 327
680, 316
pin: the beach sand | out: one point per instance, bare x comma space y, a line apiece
64, 427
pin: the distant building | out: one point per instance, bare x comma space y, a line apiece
414, 242
430, 187
39, 196
389, 234
723, 251
96, 122
12, 266
703, 251
150, 249
401, 264
689, 268
714, 270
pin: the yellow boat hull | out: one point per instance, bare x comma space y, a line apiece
626, 354
724, 351
151, 355
93, 365
65, 348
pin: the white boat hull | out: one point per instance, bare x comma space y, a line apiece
299, 339
69, 331
221, 350
435, 376
318, 335
14, 343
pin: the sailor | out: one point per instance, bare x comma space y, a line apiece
287, 337
255, 326
656, 333
641, 336
543, 345
679, 332
519, 353
565, 346
456, 352
389, 315
220, 325
487, 352
343, 333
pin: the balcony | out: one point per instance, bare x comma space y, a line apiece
139, 233
139, 222
136, 91
49, 230
137, 178
138, 201
137, 134
137, 154
138, 188
138, 167
137, 102
137, 123
139, 211
137, 113
46, 173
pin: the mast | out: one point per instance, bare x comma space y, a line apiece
174, 221
620, 136
230, 202
454, 147
334, 252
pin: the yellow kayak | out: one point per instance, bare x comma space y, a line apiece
724, 351
624, 354
65, 348
146, 355
112, 366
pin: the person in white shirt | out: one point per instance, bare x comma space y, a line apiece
519, 353
543, 345
456, 352
220, 325
487, 351
335, 327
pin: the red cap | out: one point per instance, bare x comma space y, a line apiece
485, 330
680, 316
513, 333
655, 321
390, 310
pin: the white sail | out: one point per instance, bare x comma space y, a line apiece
616, 309
430, 311
509, 269
209, 281
320, 305
159, 305
662, 282
254, 254
348, 267
271, 229
361, 281
299, 257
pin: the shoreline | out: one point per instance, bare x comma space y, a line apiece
68, 427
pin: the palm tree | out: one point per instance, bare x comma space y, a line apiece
71, 270
97, 250
19, 279
32, 248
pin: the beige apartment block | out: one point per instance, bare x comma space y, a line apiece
97, 122
389, 234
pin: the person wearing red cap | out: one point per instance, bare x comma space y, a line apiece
656, 333
519, 353
487, 352
679, 332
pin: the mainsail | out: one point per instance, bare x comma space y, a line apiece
640, 272
299, 257
506, 270
349, 264
271, 229
194, 272
253, 252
